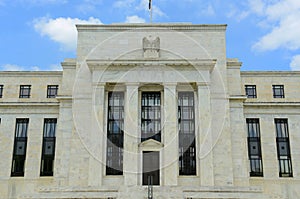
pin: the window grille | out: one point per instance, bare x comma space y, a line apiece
115, 133
250, 91
254, 147
186, 125
25, 91
20, 145
278, 91
48, 150
283, 148
52, 91
151, 116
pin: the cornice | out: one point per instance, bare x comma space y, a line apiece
233, 64
238, 97
28, 104
269, 73
69, 64
31, 73
153, 26
273, 104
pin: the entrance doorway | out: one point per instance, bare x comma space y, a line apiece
151, 167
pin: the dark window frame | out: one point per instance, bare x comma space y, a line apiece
25, 91
283, 147
52, 91
250, 91
254, 147
48, 147
1, 90
276, 89
186, 125
151, 116
20, 147
115, 133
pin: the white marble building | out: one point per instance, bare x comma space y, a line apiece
157, 104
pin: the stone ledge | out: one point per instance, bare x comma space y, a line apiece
29, 104
224, 189
271, 103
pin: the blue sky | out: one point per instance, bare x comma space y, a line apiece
39, 34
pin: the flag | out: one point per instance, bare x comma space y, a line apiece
150, 2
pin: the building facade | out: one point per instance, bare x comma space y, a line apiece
150, 111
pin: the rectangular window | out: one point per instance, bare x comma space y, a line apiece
20, 145
151, 116
250, 91
25, 91
48, 150
1, 91
278, 91
52, 91
254, 147
283, 148
186, 125
115, 133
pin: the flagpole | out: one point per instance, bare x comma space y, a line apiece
151, 15
150, 10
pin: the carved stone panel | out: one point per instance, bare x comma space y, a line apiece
151, 47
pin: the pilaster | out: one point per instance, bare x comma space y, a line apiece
97, 136
170, 136
131, 136
204, 135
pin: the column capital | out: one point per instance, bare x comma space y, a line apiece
203, 84
132, 84
169, 84
99, 84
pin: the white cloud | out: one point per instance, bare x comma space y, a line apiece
56, 67
43, 2
134, 19
284, 16
237, 13
257, 6
295, 63
62, 30
208, 11
123, 3
88, 6
13, 67
144, 5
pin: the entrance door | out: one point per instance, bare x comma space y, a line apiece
151, 167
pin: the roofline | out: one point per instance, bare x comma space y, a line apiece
270, 73
31, 73
163, 26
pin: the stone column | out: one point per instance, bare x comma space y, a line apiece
205, 154
169, 165
97, 136
131, 135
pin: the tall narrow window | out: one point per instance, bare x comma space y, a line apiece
25, 91
250, 91
115, 133
52, 91
283, 148
254, 147
278, 91
151, 116
186, 125
1, 91
20, 145
48, 150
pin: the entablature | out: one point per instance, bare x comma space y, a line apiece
199, 64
